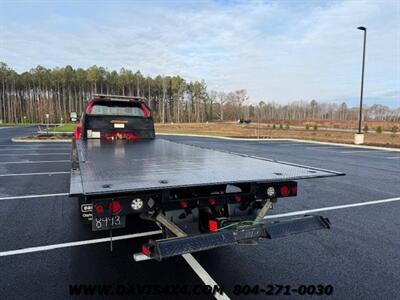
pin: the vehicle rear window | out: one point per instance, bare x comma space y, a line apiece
117, 109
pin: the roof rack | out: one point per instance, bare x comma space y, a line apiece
118, 97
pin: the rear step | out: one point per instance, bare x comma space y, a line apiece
165, 248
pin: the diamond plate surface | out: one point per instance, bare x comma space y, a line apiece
121, 166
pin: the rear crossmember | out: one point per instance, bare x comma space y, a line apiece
242, 234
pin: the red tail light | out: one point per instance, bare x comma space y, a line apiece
99, 209
213, 225
89, 107
146, 111
115, 207
212, 201
146, 250
238, 198
184, 204
284, 191
294, 189
78, 132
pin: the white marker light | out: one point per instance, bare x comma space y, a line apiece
271, 191
137, 204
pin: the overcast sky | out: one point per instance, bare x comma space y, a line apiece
278, 50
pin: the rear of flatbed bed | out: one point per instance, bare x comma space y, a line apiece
182, 187
103, 167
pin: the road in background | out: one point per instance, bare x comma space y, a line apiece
359, 256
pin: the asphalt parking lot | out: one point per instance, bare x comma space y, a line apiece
359, 256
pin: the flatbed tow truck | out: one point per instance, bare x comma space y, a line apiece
200, 198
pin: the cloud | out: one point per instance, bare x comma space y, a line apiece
279, 51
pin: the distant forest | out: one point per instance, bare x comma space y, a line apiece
29, 96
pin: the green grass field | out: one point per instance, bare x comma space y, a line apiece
67, 127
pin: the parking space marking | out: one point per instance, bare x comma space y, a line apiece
202, 273
37, 145
303, 212
361, 151
33, 149
116, 238
78, 243
12, 144
33, 196
193, 263
23, 154
33, 162
292, 144
321, 148
33, 174
393, 157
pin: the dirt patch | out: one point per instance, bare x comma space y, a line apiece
267, 131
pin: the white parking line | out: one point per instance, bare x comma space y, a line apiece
33, 162
393, 157
33, 149
23, 154
78, 243
303, 212
291, 144
33, 174
202, 273
321, 148
361, 151
116, 238
33, 196
193, 263
34, 145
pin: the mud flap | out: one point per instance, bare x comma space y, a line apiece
164, 248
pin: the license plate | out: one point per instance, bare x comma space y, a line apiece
106, 223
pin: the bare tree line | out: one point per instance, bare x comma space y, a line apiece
29, 96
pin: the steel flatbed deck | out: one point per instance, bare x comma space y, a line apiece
119, 167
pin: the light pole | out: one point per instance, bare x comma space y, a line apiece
362, 76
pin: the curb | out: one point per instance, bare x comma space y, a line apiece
18, 140
286, 139
69, 133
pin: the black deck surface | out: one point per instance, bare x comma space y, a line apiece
109, 167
